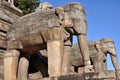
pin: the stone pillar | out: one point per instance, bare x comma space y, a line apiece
66, 60
10, 64
55, 54
23, 69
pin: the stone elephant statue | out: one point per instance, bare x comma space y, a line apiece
48, 28
98, 52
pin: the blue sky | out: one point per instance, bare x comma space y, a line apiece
103, 17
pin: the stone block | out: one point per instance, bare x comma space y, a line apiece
105, 75
3, 26
55, 53
10, 64
3, 36
1, 77
3, 44
35, 76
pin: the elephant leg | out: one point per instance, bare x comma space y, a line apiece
83, 44
66, 60
99, 66
55, 54
10, 64
23, 69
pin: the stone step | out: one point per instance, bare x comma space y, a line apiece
3, 36
3, 44
3, 40
3, 26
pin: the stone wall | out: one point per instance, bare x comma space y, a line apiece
8, 14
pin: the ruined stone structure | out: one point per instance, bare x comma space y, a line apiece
49, 31
8, 14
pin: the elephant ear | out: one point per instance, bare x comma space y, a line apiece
98, 45
60, 12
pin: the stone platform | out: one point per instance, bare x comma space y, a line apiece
105, 75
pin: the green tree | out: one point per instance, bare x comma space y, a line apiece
27, 6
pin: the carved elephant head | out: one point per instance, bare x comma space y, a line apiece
106, 45
73, 16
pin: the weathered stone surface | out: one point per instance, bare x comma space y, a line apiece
38, 28
97, 54
23, 69
8, 13
3, 44
1, 65
106, 75
10, 64
25, 24
1, 77
1, 69
55, 55
66, 69
3, 36
4, 26
35, 76
5, 17
11, 10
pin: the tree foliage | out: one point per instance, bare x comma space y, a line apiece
27, 6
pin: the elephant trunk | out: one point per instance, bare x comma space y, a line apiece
114, 58
83, 46
80, 52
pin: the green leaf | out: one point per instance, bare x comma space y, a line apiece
27, 6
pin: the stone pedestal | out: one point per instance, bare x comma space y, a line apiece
55, 54
10, 64
66, 60
105, 75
